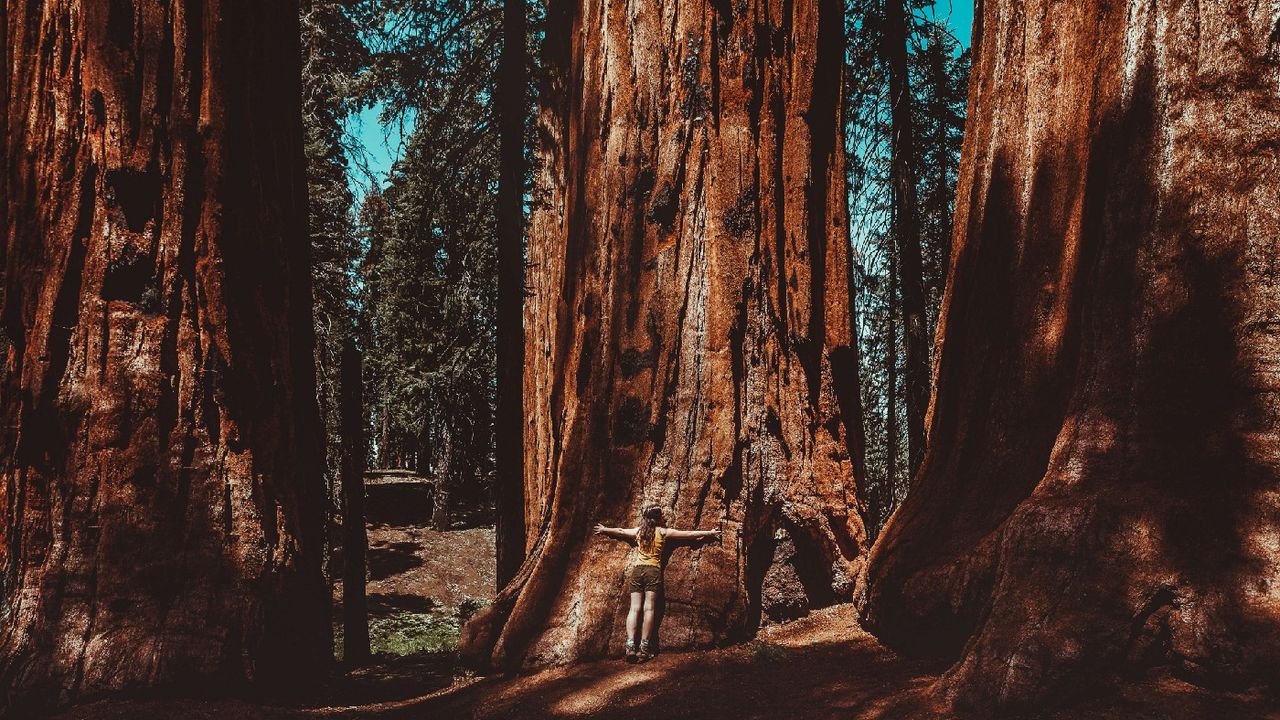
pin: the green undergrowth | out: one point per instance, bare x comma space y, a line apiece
767, 652
406, 633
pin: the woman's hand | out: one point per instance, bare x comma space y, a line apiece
600, 529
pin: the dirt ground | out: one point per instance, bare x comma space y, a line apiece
822, 667
419, 569
422, 583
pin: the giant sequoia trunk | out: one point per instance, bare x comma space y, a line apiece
688, 329
1100, 492
159, 458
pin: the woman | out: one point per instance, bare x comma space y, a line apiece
646, 574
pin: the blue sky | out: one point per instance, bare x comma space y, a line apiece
382, 147
960, 15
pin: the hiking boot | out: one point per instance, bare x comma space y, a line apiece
632, 656
644, 656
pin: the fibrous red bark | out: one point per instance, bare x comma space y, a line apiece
1100, 492
160, 486
688, 334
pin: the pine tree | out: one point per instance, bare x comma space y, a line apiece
432, 272
333, 55
937, 76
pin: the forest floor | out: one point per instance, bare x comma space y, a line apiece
820, 667
422, 585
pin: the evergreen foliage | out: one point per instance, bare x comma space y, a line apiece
430, 278
333, 57
939, 74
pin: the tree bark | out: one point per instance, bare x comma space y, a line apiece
509, 410
1100, 490
355, 538
444, 466
690, 304
161, 502
888, 494
906, 230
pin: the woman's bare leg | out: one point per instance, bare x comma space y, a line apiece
633, 616
650, 609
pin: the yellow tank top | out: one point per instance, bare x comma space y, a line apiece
653, 555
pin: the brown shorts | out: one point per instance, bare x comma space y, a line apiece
646, 578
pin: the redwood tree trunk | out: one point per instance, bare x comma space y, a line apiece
688, 333
1100, 491
160, 483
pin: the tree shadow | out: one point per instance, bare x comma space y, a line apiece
823, 680
387, 559
386, 604
854, 679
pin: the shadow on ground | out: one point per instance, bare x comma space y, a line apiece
822, 667
387, 559
384, 604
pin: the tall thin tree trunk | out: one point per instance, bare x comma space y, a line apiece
889, 490
381, 458
943, 165
355, 539
1100, 492
509, 413
444, 451
161, 480
906, 230
690, 291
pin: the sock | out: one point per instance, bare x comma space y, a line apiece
644, 645
631, 645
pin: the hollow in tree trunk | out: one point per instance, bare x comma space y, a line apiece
161, 492
1099, 494
688, 332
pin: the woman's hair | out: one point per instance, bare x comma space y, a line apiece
650, 519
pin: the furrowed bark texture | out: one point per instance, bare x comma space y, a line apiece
1102, 488
160, 486
688, 329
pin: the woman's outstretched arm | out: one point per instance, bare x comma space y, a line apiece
618, 533
692, 534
